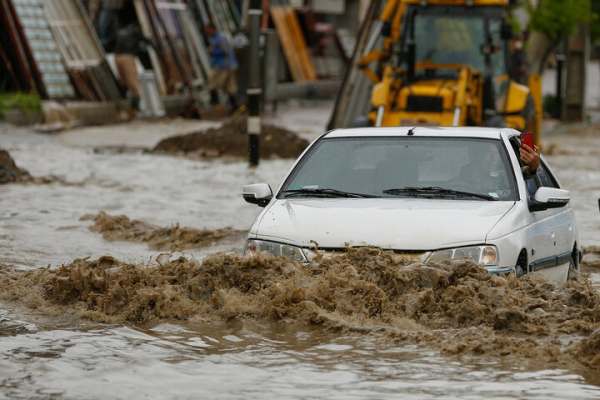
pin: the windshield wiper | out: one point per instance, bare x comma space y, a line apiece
436, 190
326, 192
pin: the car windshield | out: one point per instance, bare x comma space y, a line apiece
452, 168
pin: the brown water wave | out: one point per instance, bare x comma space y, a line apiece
591, 250
591, 259
173, 238
458, 308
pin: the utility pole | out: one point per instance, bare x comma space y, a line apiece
578, 53
560, 67
254, 92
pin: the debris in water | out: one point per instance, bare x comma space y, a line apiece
591, 265
458, 308
591, 258
174, 238
591, 250
588, 350
231, 139
9, 172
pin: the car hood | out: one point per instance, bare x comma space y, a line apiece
401, 224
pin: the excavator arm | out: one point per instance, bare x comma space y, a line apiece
390, 27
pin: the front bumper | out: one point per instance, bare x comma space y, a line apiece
307, 255
416, 256
495, 270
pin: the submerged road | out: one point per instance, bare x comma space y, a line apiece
50, 356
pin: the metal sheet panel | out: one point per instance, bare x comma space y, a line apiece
77, 42
44, 48
80, 47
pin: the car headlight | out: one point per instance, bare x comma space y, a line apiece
482, 255
276, 249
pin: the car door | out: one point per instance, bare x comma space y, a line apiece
541, 232
537, 226
564, 232
550, 232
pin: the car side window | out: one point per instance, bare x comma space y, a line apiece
544, 176
533, 184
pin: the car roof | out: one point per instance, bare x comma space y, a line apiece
431, 131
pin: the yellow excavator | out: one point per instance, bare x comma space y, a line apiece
447, 63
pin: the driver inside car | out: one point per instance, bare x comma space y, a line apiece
529, 159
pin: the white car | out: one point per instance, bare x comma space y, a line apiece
438, 193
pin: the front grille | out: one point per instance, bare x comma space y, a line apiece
414, 255
425, 103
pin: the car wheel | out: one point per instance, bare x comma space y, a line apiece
521, 267
573, 266
519, 271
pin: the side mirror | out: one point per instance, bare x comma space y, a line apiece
548, 197
258, 193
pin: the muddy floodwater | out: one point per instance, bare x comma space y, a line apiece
53, 353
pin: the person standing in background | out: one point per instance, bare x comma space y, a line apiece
108, 23
518, 61
224, 64
131, 45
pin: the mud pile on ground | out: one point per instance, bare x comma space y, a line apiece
458, 308
231, 139
173, 238
9, 172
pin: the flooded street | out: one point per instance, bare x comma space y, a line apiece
59, 356
157, 189
575, 159
236, 363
